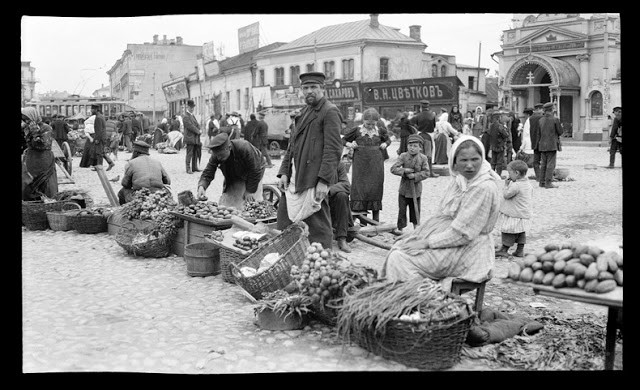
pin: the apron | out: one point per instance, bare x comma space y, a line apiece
368, 176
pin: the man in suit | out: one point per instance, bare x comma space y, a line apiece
425, 122
616, 136
548, 140
60, 129
534, 131
127, 133
191, 138
313, 154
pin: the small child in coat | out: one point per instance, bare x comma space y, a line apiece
515, 211
413, 166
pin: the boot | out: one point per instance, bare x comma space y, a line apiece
111, 165
343, 246
431, 174
503, 252
519, 252
189, 171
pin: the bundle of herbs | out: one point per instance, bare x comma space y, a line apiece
284, 304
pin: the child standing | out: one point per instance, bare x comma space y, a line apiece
515, 214
413, 166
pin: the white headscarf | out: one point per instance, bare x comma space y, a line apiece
164, 120
453, 196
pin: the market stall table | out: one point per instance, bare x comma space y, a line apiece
612, 300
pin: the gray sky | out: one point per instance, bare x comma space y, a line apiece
91, 46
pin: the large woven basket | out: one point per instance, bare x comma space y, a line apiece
228, 257
59, 220
89, 224
291, 244
154, 247
428, 344
34, 213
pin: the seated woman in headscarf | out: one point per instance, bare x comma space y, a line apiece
456, 242
444, 135
38, 158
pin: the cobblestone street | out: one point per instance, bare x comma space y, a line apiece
88, 306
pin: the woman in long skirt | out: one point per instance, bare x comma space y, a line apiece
369, 143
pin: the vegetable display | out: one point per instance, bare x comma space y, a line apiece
207, 210
147, 205
587, 267
259, 210
284, 304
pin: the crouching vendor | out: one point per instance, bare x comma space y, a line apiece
142, 172
242, 167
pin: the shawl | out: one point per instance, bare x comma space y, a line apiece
453, 196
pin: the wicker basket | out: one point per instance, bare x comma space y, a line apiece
291, 244
428, 344
156, 247
89, 224
59, 220
228, 257
34, 213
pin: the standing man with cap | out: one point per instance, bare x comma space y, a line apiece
242, 168
60, 130
192, 138
310, 164
534, 131
548, 140
425, 121
142, 172
615, 136
263, 137
94, 154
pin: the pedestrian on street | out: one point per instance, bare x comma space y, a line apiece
94, 151
484, 136
548, 144
192, 138
456, 242
242, 168
142, 171
136, 125
251, 131
368, 142
310, 163
263, 136
444, 136
114, 136
212, 127
498, 135
341, 218
60, 130
516, 134
413, 167
127, 133
534, 131
233, 126
615, 144
525, 149
479, 123
405, 131
514, 219
455, 118
38, 159
425, 122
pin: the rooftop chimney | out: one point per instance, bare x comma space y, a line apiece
374, 21
155, 39
179, 40
414, 32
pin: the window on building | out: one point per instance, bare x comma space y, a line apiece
310, 67
434, 70
261, 76
246, 98
279, 76
443, 71
330, 70
384, 69
238, 95
347, 69
227, 102
471, 83
596, 104
294, 71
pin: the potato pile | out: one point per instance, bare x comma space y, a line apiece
217, 235
323, 277
147, 205
208, 210
582, 266
259, 210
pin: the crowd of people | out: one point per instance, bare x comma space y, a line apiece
454, 242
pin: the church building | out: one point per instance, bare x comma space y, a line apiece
572, 60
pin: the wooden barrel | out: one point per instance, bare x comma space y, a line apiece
203, 259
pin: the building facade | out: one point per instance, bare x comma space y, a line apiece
572, 60
27, 81
137, 76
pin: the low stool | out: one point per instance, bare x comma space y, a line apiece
459, 287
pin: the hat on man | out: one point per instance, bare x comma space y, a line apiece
235, 113
538, 106
219, 142
191, 103
528, 110
617, 109
424, 102
96, 106
141, 147
312, 78
547, 106
415, 138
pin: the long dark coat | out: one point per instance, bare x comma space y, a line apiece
550, 131
191, 130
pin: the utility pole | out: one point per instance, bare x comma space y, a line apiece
154, 98
479, 50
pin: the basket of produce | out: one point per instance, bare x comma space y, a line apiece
80, 197
147, 205
326, 280
90, 221
262, 210
268, 268
279, 310
59, 220
570, 265
154, 241
207, 213
34, 213
412, 322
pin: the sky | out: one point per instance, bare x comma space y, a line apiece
91, 46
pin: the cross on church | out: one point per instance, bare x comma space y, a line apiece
530, 77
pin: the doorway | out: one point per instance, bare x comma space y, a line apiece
566, 115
